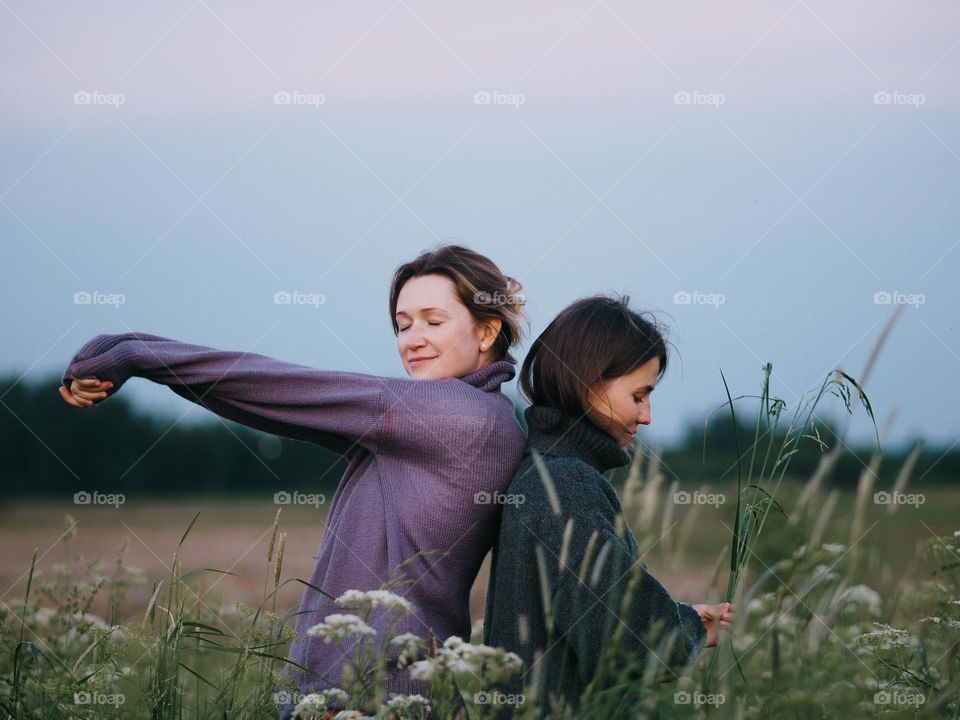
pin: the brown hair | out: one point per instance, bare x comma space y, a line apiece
593, 339
486, 291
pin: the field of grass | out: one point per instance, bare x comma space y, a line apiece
811, 617
683, 542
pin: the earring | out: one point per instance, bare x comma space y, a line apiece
483, 346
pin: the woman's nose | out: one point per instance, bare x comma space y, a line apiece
414, 339
644, 417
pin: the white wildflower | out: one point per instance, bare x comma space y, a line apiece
823, 572
742, 643
423, 669
862, 595
408, 703
937, 620
760, 604
410, 646
884, 638
834, 548
318, 702
337, 627
352, 715
462, 658
406, 638
367, 600
43, 615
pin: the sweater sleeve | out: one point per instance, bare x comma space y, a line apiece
605, 590
338, 410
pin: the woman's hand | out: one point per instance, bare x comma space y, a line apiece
84, 392
715, 617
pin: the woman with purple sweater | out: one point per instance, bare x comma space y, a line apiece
419, 449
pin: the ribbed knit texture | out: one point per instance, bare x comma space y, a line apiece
574, 453
419, 451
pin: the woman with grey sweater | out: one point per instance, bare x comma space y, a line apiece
567, 573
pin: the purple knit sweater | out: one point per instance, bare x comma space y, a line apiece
418, 452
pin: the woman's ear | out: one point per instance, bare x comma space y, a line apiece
489, 331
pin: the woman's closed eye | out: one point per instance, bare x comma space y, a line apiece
401, 329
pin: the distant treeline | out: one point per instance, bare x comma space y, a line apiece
48, 448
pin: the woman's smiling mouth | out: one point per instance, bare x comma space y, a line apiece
420, 360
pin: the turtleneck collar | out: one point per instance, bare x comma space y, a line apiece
565, 435
490, 377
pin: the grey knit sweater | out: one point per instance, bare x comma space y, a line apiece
423, 455
587, 573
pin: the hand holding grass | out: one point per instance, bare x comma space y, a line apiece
715, 617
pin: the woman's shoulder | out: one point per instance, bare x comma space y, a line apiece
570, 480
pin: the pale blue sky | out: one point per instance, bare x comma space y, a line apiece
786, 184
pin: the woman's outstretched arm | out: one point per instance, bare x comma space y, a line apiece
338, 410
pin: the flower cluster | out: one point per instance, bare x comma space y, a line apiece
316, 703
365, 601
861, 595
411, 704
462, 658
337, 627
410, 646
884, 638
